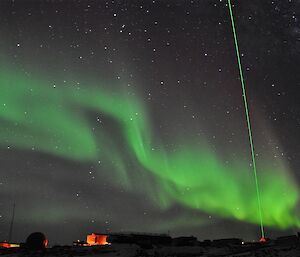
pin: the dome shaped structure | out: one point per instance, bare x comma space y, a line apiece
36, 241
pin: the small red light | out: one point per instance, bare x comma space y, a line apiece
263, 240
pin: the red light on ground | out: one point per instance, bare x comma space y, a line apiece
263, 240
45, 243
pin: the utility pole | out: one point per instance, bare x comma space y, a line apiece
11, 223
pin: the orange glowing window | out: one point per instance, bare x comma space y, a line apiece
94, 239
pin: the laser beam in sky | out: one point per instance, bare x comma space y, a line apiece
247, 118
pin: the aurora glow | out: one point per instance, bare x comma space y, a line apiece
54, 121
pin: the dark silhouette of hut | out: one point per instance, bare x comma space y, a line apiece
36, 241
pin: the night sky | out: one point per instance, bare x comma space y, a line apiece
128, 116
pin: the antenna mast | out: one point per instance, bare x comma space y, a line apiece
11, 223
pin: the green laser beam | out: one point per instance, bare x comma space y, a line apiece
247, 117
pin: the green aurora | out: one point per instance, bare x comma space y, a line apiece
55, 121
